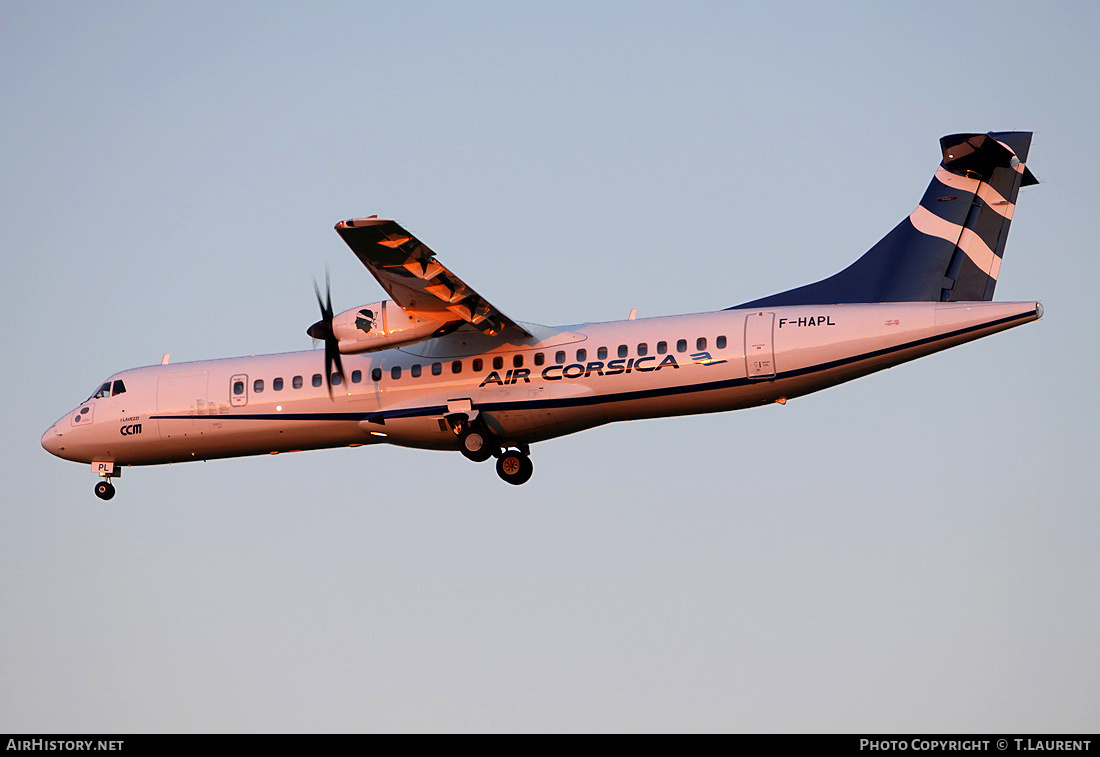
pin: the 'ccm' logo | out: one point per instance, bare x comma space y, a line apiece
130, 430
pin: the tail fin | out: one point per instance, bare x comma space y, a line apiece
950, 247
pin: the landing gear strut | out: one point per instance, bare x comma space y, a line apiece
105, 490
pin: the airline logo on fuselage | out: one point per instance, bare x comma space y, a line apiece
704, 358
585, 370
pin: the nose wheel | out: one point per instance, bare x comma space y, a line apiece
105, 490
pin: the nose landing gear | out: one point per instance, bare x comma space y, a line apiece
105, 470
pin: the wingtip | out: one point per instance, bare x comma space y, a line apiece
353, 223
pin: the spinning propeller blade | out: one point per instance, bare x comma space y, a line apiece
322, 330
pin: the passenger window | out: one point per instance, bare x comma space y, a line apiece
623, 351
297, 382
456, 366
118, 388
682, 345
720, 343
238, 388
376, 374
356, 377
517, 361
416, 371
643, 349
498, 363
395, 372
437, 368
258, 385
477, 365
316, 379
277, 385
662, 348
335, 379
559, 357
601, 353
701, 343
582, 355
539, 358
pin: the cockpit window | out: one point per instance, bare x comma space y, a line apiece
118, 387
103, 391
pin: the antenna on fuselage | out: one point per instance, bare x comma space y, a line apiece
164, 360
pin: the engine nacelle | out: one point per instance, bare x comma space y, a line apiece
382, 325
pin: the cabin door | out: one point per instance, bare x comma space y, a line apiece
238, 390
759, 352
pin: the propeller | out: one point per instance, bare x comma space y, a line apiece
322, 330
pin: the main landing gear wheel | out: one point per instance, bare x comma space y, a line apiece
105, 490
476, 444
514, 467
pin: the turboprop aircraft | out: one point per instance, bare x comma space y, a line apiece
436, 366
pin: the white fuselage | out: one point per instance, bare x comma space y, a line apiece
559, 381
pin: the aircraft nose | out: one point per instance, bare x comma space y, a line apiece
51, 441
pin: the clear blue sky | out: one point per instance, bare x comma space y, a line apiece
926, 561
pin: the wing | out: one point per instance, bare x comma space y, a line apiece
407, 269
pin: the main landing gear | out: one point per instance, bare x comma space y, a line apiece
476, 442
514, 466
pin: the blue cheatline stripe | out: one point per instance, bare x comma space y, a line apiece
669, 391
267, 417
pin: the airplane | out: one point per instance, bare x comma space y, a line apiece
436, 366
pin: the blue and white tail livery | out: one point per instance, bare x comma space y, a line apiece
950, 248
436, 366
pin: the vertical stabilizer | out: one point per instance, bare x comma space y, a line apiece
950, 248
